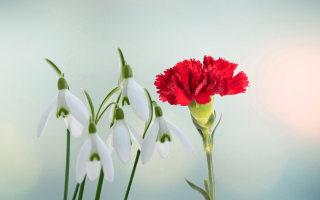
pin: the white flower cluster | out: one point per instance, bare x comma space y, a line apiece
95, 153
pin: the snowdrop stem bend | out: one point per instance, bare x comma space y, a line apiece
107, 98
66, 179
138, 152
98, 118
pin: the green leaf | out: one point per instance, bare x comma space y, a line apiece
150, 114
55, 68
123, 63
210, 121
214, 130
200, 190
89, 103
107, 98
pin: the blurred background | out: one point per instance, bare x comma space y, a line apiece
267, 145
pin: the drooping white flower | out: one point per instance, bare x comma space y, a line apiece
120, 136
70, 107
134, 95
159, 135
92, 155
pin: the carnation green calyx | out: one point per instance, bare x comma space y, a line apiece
119, 114
92, 128
62, 84
201, 112
158, 111
127, 71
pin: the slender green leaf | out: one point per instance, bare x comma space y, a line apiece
121, 67
150, 114
200, 190
107, 98
55, 68
89, 102
214, 130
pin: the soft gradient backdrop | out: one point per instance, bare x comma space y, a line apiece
268, 144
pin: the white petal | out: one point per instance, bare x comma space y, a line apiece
106, 159
82, 160
75, 127
135, 136
93, 169
77, 108
182, 137
121, 141
138, 99
149, 142
45, 117
163, 149
109, 139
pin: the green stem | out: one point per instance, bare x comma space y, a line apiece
99, 185
211, 176
138, 152
66, 178
206, 186
75, 191
82, 188
132, 174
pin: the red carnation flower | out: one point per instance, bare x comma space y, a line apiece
190, 79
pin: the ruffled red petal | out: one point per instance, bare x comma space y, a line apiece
182, 98
204, 97
190, 79
238, 84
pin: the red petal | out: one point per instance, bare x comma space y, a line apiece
204, 97
181, 97
238, 83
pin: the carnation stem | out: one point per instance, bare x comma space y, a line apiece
211, 176
82, 188
66, 178
75, 191
138, 152
99, 187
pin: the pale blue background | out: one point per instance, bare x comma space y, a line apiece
264, 148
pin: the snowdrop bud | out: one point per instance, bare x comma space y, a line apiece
127, 72
92, 128
62, 84
119, 114
158, 111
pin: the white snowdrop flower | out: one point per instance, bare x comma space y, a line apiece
120, 136
69, 107
134, 95
92, 155
159, 135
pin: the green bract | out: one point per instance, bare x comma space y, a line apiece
127, 71
62, 84
158, 111
119, 114
92, 128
